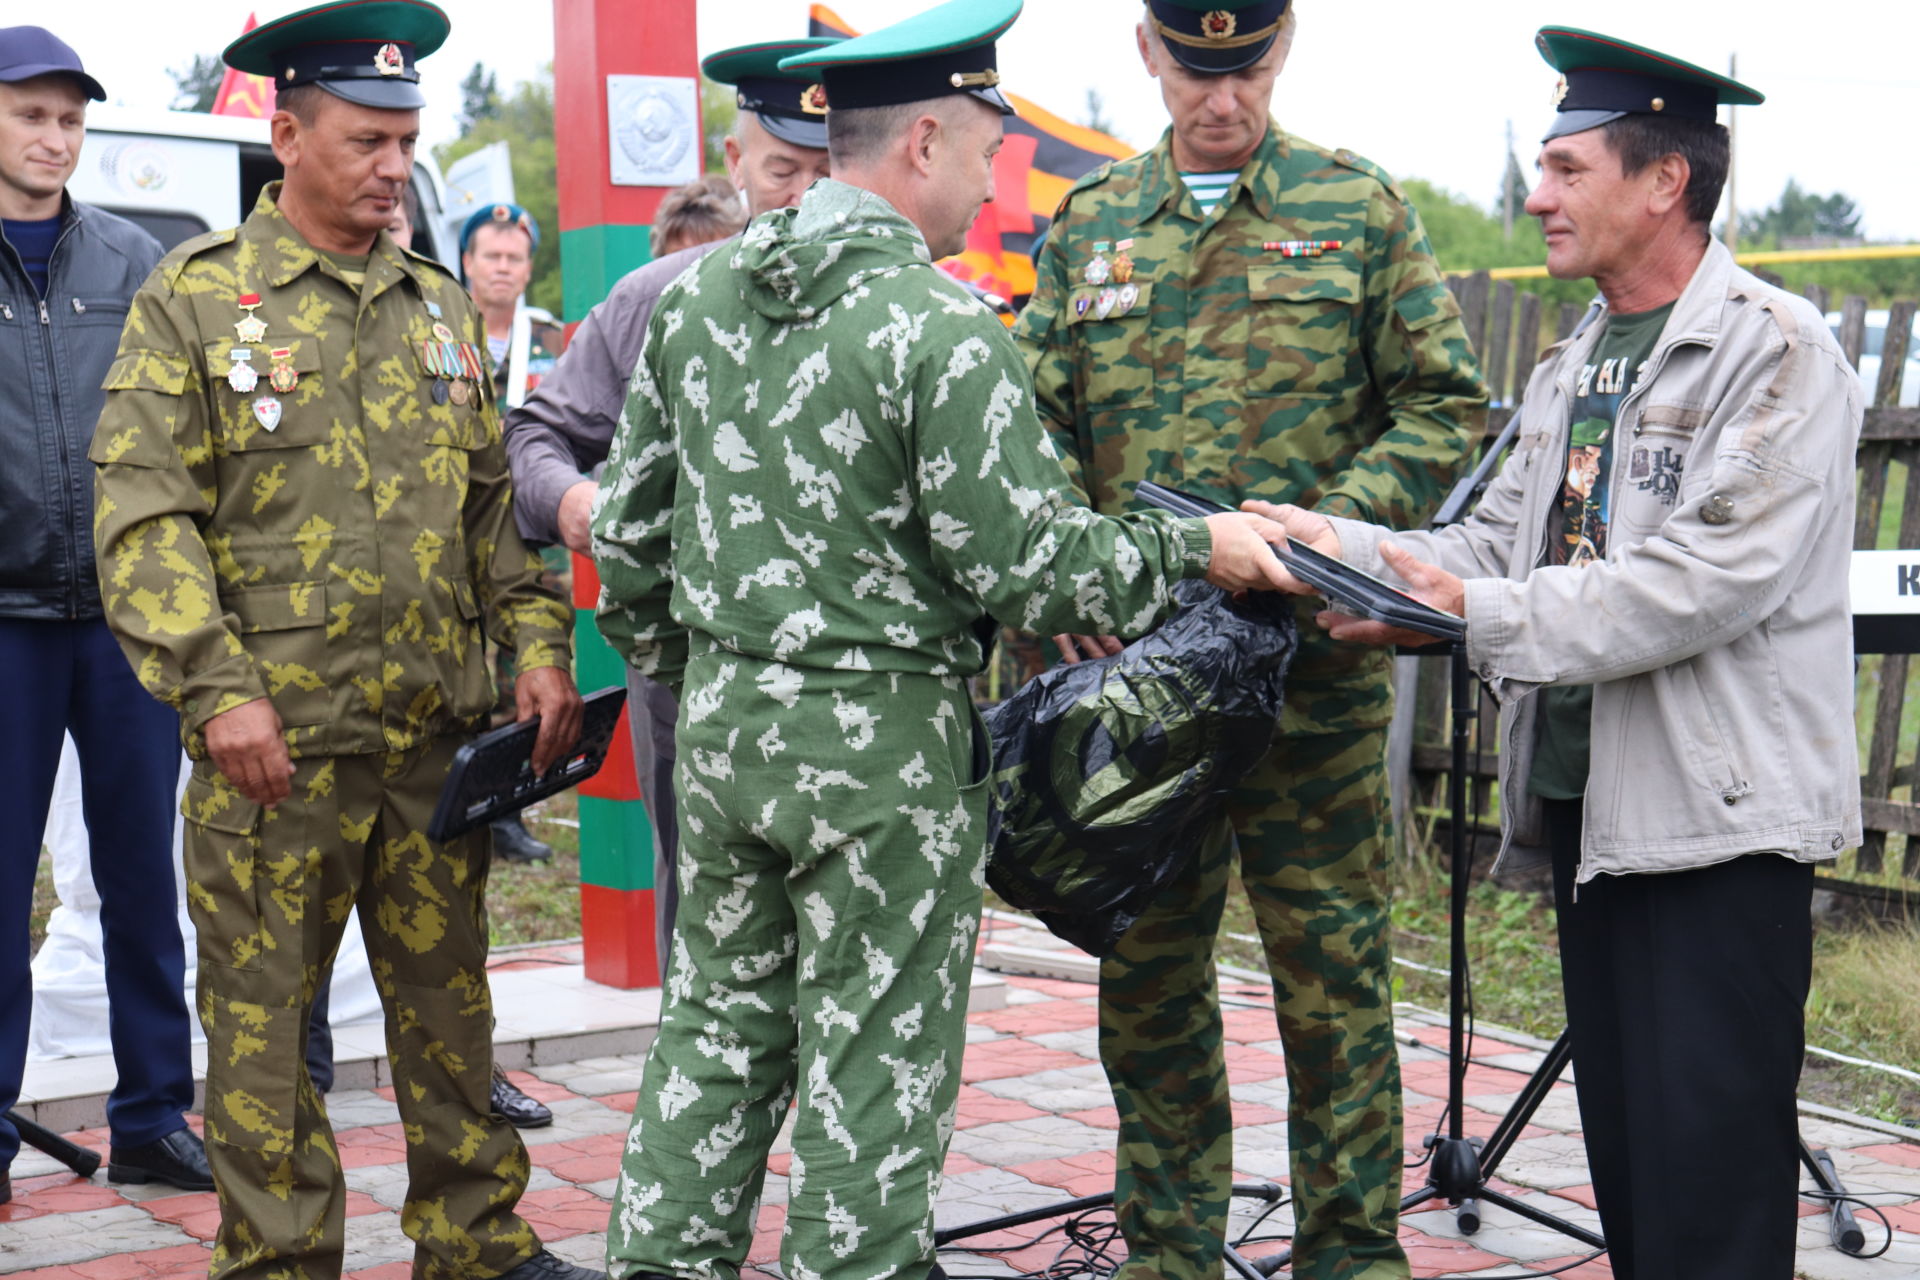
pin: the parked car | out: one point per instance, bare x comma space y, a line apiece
1907, 393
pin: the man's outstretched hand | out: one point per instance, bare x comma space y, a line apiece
1429, 584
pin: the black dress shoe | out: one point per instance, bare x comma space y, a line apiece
180, 1158
512, 842
521, 1111
544, 1266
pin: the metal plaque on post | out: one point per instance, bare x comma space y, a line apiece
653, 130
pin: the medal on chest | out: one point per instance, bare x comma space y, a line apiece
250, 327
266, 411
1122, 262
283, 378
243, 377
1098, 271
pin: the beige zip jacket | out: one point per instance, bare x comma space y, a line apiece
1717, 632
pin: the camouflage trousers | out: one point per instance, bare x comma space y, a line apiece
1311, 826
270, 891
832, 837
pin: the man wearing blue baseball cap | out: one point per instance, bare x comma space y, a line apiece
67, 272
1655, 589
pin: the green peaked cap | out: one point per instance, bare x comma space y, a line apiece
948, 49
362, 50
1603, 78
793, 108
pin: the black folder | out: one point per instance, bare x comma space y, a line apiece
1358, 593
493, 775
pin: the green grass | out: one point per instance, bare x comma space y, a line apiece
1865, 1001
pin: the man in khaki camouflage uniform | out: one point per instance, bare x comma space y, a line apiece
1242, 313
303, 522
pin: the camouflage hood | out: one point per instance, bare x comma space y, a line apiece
800, 261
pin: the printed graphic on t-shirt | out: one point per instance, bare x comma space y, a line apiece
1584, 497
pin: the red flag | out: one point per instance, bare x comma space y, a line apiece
1041, 159
242, 94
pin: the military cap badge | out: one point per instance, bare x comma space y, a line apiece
813, 100
1219, 24
389, 61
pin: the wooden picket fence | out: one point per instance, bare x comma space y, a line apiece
1509, 329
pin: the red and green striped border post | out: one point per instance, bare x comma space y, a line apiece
603, 235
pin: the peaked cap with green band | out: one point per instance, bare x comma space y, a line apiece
364, 51
1214, 37
1603, 79
793, 108
948, 49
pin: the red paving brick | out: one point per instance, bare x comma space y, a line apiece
1904, 1217
57, 1193
1039, 1019
198, 1214
173, 1263
1082, 1175
386, 1271
371, 1144
1249, 1026
1432, 1256
561, 1212
1106, 1117
1907, 1154
1251, 1066
1002, 1059
1056, 987
591, 1159
621, 1102
978, 1107
534, 1087
1598, 1269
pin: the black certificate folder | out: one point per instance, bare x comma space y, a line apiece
493, 774
1344, 586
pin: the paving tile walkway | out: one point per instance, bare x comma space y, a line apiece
1034, 1127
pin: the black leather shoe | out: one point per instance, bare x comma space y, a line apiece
544, 1266
521, 1111
180, 1158
512, 842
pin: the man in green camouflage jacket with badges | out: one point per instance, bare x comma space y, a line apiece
828, 469
303, 522
1242, 313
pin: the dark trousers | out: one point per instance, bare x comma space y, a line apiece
1685, 1000
70, 677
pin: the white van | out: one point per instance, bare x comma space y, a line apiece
182, 173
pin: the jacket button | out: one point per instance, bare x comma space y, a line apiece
1731, 800
1719, 509
1839, 842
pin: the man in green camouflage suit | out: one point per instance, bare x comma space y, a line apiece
1242, 313
304, 521
828, 471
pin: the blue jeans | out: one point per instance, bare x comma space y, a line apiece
70, 677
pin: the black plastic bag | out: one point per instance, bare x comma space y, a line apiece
1107, 772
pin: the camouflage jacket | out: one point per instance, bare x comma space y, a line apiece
337, 553
829, 459
1337, 377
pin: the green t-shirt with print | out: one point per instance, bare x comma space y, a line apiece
1578, 534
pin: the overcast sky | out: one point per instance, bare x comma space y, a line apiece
1424, 89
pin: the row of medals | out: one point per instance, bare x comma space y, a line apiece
1118, 293
454, 366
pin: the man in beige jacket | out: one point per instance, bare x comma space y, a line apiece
1656, 589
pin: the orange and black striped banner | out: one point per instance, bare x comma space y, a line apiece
1043, 156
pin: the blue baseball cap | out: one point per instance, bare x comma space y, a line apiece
30, 52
